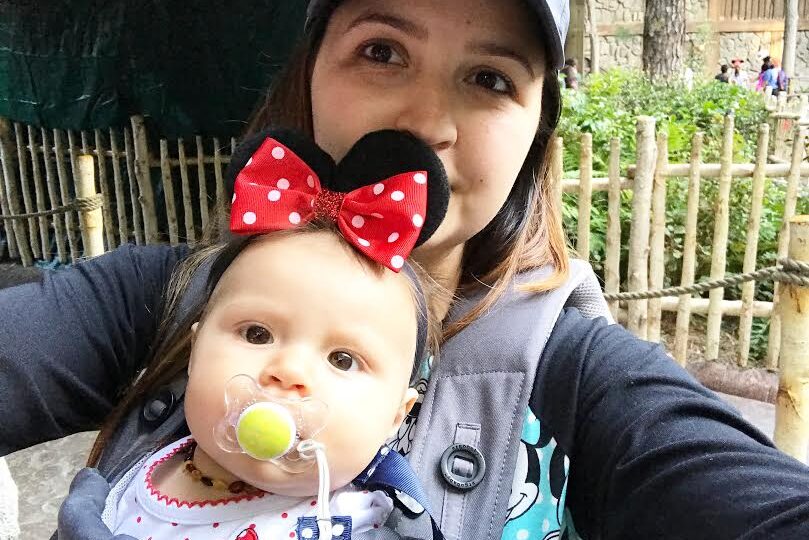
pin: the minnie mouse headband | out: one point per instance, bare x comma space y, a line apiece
388, 194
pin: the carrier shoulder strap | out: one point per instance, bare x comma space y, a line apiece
467, 435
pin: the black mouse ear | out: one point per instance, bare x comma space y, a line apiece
311, 154
383, 154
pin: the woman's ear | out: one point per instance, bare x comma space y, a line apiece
409, 399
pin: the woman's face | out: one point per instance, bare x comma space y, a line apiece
465, 76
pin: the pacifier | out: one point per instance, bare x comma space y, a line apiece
268, 427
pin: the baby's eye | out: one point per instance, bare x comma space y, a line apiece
256, 335
343, 361
491, 80
382, 53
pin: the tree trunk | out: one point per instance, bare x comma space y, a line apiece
664, 39
595, 49
790, 36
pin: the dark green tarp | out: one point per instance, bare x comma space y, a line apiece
189, 66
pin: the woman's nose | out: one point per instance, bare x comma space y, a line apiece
288, 371
426, 112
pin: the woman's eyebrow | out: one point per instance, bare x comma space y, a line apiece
491, 48
408, 27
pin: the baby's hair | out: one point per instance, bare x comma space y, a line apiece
171, 349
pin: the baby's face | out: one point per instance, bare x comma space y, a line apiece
304, 317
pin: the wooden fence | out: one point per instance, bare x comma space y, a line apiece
169, 195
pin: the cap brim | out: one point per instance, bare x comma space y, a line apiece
550, 32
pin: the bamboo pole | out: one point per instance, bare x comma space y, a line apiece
137, 212
699, 306
751, 247
585, 195
790, 203
25, 188
106, 210
639, 233
188, 206
12, 195
792, 402
168, 193
120, 196
39, 191
53, 196
612, 262
6, 225
557, 169
657, 242
720, 241
74, 153
92, 232
143, 175
689, 253
713, 170
220, 182
203, 184
64, 192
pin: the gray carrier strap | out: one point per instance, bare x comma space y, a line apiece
477, 396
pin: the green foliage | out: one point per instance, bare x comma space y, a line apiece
608, 107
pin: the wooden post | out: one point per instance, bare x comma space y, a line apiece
22, 164
689, 253
638, 275
188, 207
790, 203
612, 262
791, 15
103, 184
657, 242
137, 212
92, 232
64, 192
120, 195
720, 242
751, 247
12, 194
203, 184
143, 175
53, 196
221, 203
585, 195
792, 403
168, 193
39, 191
780, 132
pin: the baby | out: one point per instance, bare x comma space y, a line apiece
301, 352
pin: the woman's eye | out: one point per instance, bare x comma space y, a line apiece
257, 335
493, 81
382, 53
343, 361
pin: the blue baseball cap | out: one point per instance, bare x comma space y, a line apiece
553, 17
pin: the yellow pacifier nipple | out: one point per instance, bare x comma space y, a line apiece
266, 431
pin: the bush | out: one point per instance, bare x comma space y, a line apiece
608, 106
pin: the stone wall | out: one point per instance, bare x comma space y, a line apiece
616, 11
802, 54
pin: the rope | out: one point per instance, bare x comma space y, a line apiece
82, 204
787, 271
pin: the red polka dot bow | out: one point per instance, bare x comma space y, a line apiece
277, 190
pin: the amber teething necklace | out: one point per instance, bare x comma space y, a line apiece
238, 487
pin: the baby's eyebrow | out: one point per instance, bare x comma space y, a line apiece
395, 21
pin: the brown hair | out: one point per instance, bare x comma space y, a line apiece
171, 348
527, 231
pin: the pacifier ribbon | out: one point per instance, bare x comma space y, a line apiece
277, 190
